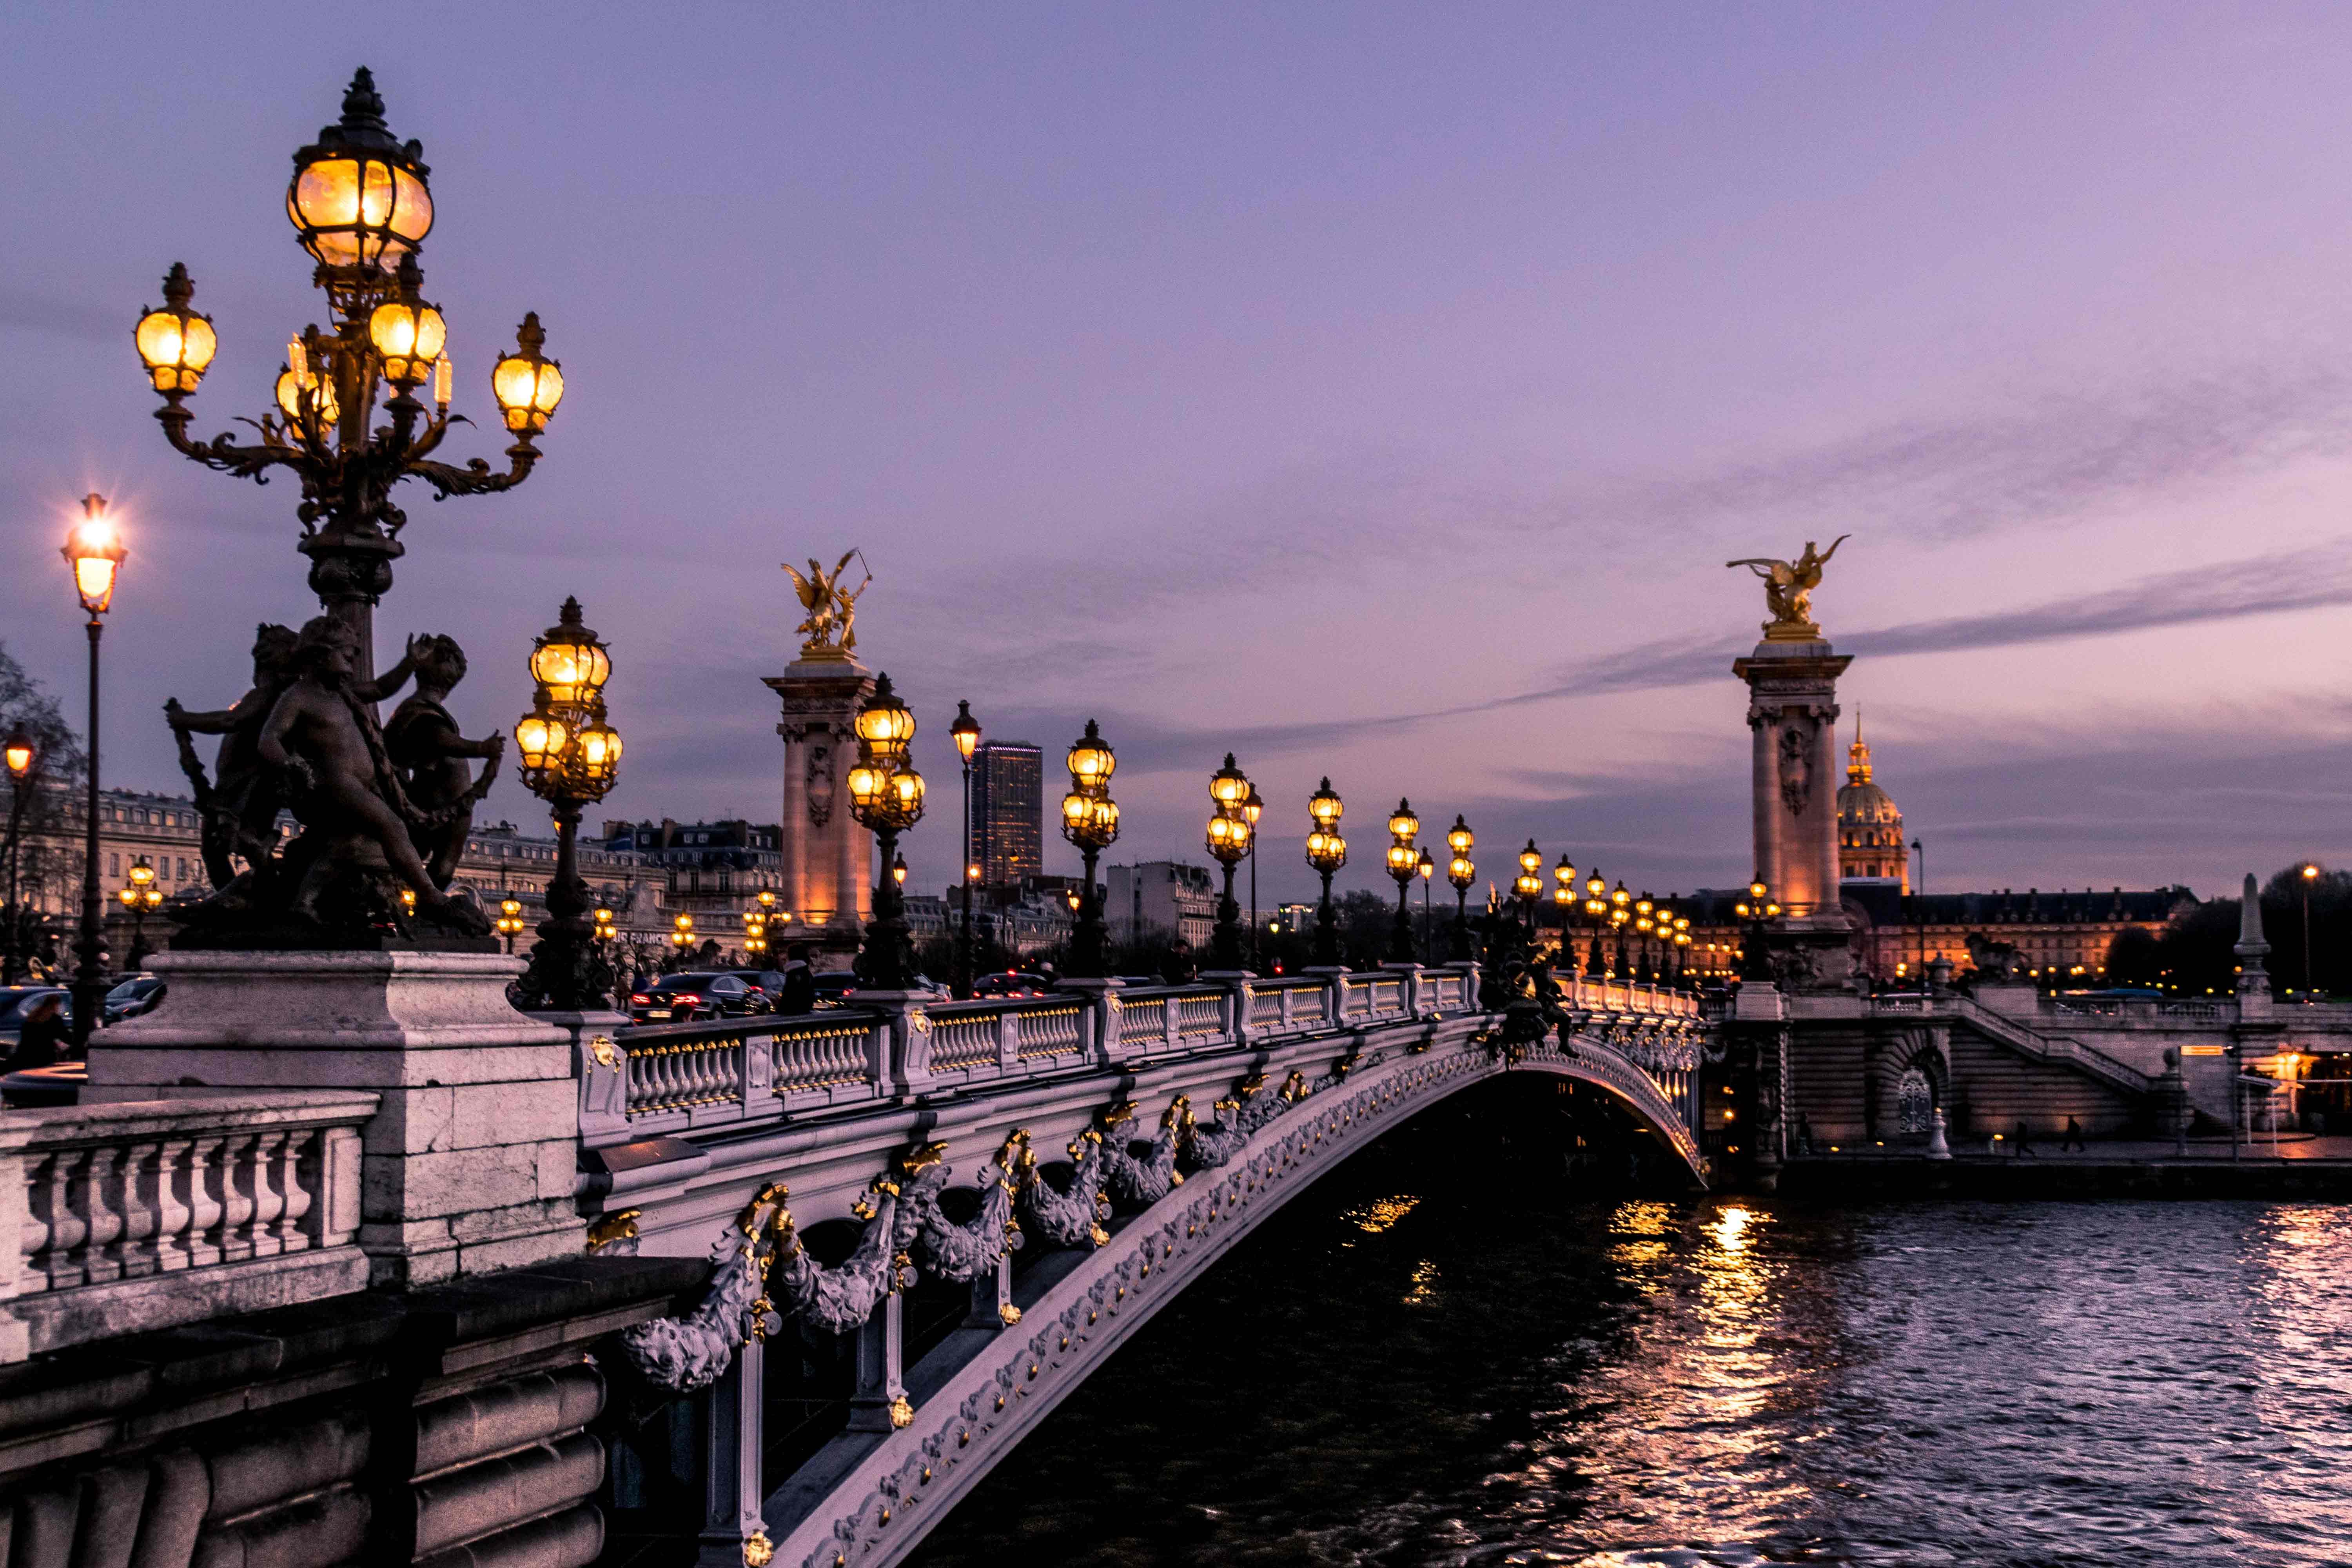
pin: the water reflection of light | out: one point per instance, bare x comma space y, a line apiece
1424, 1284
1381, 1215
1730, 1232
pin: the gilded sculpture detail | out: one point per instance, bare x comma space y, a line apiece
1789, 590
830, 628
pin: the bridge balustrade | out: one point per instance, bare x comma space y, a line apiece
679, 1078
242, 1201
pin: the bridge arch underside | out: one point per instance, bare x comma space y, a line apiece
869, 1499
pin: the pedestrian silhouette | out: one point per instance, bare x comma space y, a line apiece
2024, 1145
2074, 1139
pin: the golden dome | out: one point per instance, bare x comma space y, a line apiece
1870, 825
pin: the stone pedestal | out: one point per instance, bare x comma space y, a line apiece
468, 1164
828, 859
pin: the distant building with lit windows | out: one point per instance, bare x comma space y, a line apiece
1008, 811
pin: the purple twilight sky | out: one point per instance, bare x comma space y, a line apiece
1372, 391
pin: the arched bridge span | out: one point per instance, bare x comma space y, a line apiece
1173, 1159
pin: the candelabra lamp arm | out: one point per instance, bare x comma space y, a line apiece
476, 478
227, 455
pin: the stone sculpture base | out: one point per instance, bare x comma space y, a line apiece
468, 1163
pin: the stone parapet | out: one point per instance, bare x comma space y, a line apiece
469, 1161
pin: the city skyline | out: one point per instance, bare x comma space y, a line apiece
1572, 312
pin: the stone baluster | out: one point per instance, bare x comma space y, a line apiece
268, 1199
98, 1193
62, 1217
237, 1197
298, 1169
172, 1208
1008, 1040
204, 1183
731, 1416
136, 1183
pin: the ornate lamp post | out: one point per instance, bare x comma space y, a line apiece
94, 553
571, 758
1252, 808
1403, 864
1427, 868
1528, 885
1327, 851
885, 795
139, 896
362, 207
20, 755
1228, 839
510, 924
1755, 963
1643, 926
681, 934
966, 732
1090, 821
1462, 872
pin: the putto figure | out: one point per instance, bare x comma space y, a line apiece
305, 739
425, 744
831, 626
1789, 590
240, 804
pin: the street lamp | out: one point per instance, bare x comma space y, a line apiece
1252, 808
94, 553
1462, 872
20, 755
511, 924
2310, 875
1327, 851
139, 895
1089, 821
1403, 864
886, 797
1427, 868
361, 206
571, 759
681, 934
1228, 839
965, 731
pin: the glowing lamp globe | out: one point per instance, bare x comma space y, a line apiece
526, 384
409, 336
358, 201
1402, 823
1324, 806
885, 724
1229, 786
176, 344
1091, 761
1459, 838
94, 551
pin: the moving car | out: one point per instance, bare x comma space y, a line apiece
1011, 982
684, 998
833, 987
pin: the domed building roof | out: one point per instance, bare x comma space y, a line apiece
1870, 825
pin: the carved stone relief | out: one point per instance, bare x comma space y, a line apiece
1796, 766
820, 782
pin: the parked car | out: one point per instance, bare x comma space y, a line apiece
134, 994
685, 998
1011, 982
16, 1001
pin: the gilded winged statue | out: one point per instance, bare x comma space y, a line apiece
831, 626
1789, 590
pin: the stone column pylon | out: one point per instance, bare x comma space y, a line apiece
1792, 714
825, 852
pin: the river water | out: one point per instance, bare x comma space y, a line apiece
1430, 1360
